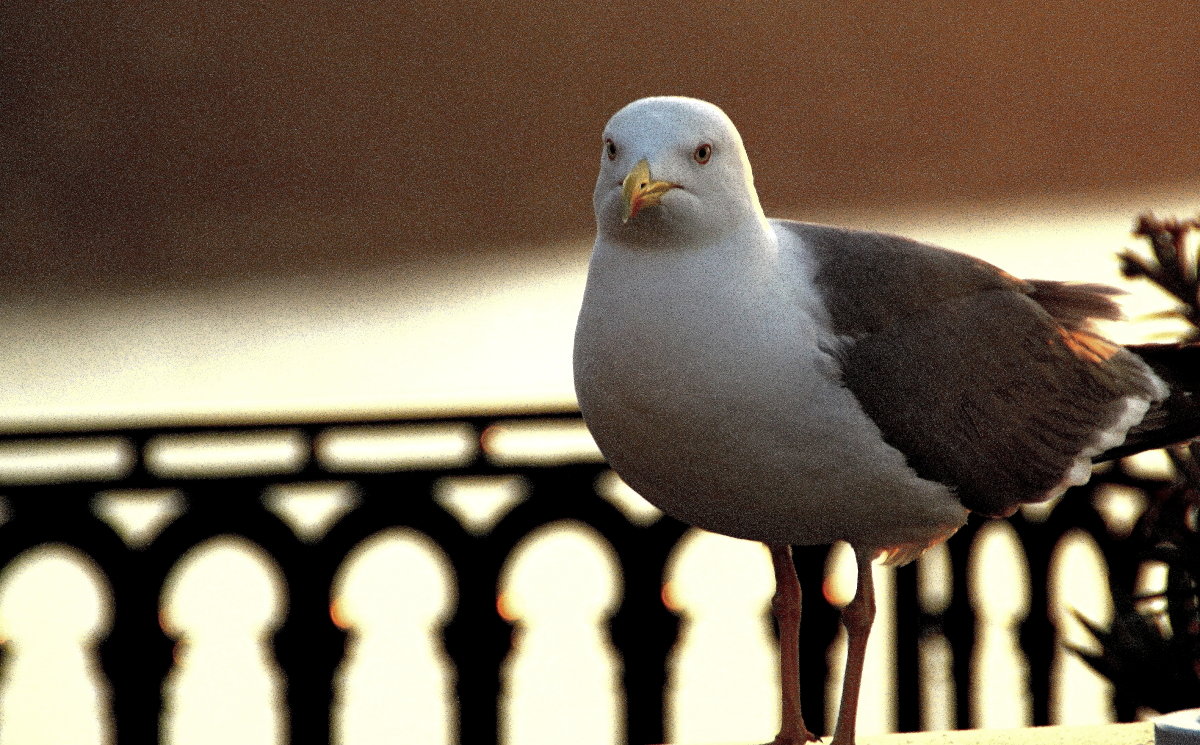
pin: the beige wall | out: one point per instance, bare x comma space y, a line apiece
187, 143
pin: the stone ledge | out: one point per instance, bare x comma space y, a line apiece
1136, 733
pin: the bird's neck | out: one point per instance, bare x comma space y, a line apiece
700, 272
744, 238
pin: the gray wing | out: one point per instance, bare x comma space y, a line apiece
986, 383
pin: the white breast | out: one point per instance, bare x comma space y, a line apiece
707, 377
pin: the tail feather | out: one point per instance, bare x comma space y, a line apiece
1175, 419
1076, 304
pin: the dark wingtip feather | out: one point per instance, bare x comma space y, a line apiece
1175, 419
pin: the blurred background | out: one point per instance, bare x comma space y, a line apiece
223, 207
225, 211
198, 143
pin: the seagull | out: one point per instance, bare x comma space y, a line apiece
800, 384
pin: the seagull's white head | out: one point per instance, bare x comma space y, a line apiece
672, 170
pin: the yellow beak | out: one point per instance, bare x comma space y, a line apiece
640, 190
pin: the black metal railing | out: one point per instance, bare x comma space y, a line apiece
51, 499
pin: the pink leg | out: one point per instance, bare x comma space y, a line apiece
786, 606
857, 617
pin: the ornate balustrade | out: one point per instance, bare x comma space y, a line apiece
220, 479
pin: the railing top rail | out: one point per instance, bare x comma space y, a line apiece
135, 427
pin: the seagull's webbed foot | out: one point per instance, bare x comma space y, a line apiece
800, 739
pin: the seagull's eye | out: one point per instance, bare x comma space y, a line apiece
702, 153
610, 148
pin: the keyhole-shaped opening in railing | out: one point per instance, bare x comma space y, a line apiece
53, 611
999, 593
1079, 584
394, 593
559, 587
724, 671
935, 590
223, 603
